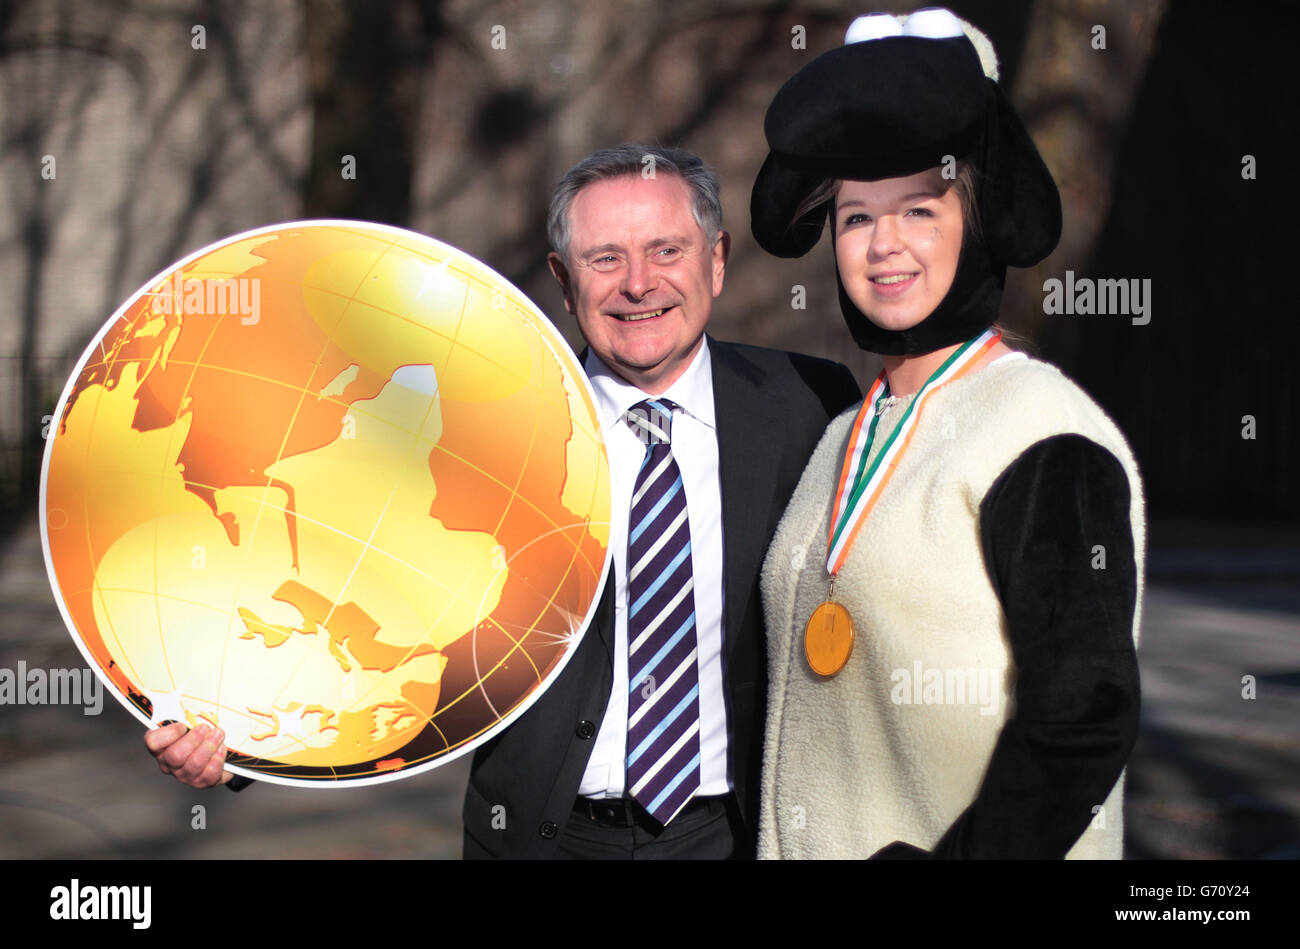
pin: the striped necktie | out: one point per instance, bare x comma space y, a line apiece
663, 724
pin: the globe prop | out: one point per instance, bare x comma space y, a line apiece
334, 487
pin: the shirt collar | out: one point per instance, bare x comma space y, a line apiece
693, 390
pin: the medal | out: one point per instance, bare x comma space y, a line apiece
828, 636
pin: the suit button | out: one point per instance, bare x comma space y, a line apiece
548, 829
586, 729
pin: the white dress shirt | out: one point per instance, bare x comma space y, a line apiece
695, 448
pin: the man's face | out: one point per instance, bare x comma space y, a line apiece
640, 276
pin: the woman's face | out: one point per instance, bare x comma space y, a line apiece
896, 245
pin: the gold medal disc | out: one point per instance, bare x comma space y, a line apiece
828, 638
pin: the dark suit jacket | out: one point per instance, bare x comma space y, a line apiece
771, 409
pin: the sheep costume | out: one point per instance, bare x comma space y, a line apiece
990, 701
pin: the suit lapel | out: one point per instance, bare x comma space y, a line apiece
749, 435
604, 618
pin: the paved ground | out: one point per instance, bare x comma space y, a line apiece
1213, 775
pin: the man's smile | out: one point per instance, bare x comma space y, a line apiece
643, 315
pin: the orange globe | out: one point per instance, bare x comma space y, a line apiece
335, 487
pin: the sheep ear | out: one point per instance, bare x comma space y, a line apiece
1020, 203
984, 46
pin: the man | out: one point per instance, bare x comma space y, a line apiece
640, 255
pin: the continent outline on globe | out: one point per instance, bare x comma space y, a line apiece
357, 516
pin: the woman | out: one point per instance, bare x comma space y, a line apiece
977, 521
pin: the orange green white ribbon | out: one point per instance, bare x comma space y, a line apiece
861, 484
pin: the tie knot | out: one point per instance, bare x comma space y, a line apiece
652, 421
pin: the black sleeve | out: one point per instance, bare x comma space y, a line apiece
1058, 545
238, 782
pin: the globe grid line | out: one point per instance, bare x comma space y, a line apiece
351, 406
517, 646
124, 336
518, 642
90, 548
449, 591
279, 456
367, 546
454, 593
171, 442
490, 477
352, 409
529, 630
334, 601
272, 506
303, 391
468, 275
85, 500
452, 340
523, 467
247, 714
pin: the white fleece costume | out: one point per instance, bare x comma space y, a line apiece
860, 760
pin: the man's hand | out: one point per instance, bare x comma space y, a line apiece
192, 756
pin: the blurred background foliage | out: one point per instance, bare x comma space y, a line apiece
460, 116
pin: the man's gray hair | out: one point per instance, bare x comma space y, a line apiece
631, 158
